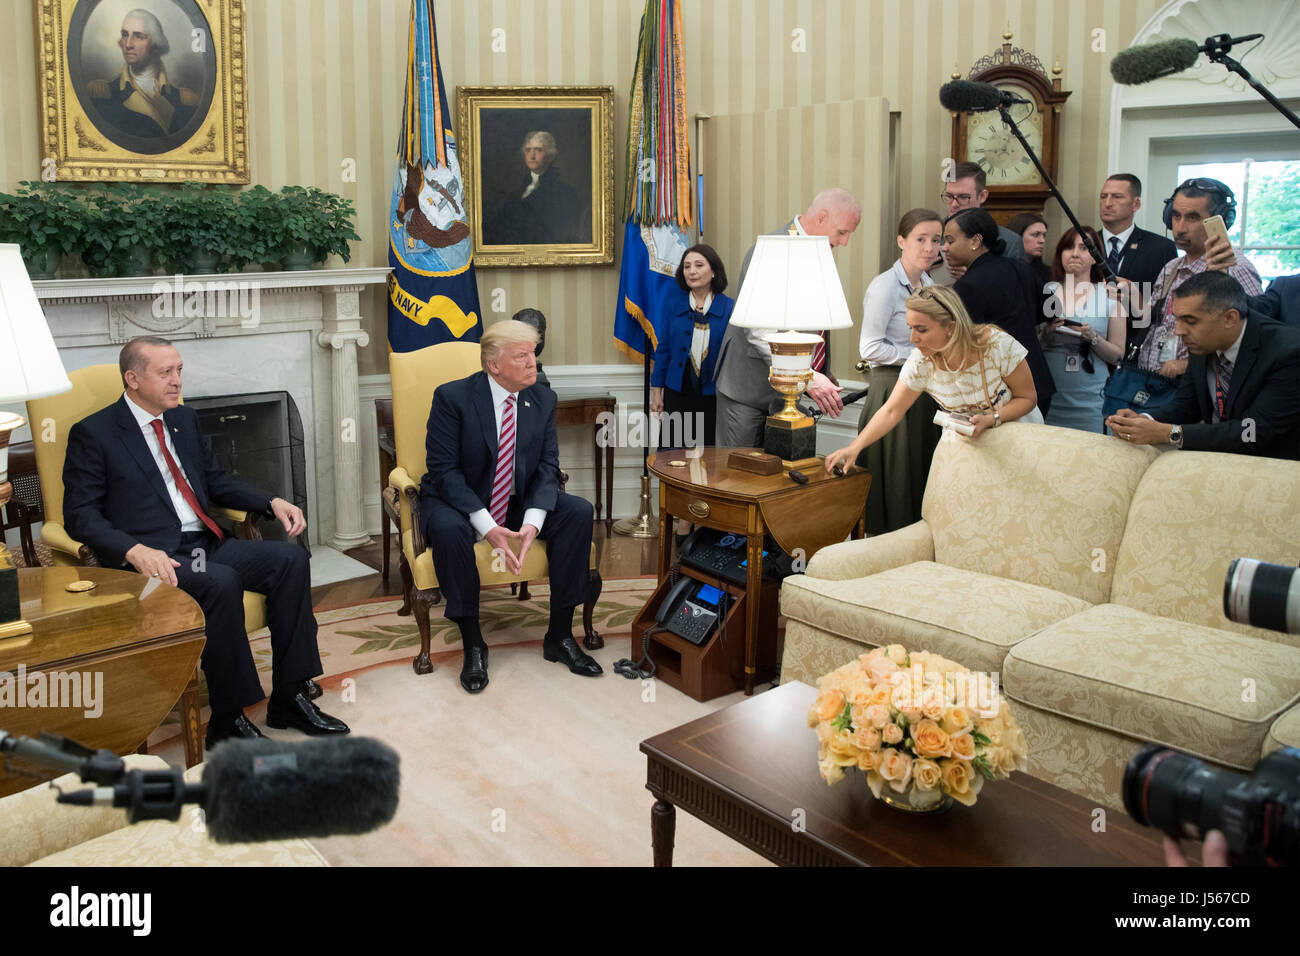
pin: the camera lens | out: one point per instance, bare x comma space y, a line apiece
1175, 793
1262, 595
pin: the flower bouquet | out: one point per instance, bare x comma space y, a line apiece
925, 730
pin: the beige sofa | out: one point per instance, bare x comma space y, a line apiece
37, 831
1089, 574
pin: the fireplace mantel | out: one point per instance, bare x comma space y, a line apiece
297, 331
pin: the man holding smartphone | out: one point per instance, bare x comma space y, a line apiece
1162, 352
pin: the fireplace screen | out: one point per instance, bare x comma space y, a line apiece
259, 438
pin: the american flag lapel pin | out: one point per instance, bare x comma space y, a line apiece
1132, 245
526, 405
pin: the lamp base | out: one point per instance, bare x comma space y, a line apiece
644, 525
11, 615
790, 441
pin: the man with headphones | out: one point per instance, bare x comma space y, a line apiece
1162, 356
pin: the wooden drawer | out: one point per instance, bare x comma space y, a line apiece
710, 510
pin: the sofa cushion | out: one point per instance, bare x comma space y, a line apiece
1199, 689
1034, 503
1194, 512
1285, 732
968, 617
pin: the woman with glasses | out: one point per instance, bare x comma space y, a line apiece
1088, 331
900, 463
977, 371
998, 290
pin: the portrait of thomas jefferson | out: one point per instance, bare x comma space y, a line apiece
540, 207
151, 92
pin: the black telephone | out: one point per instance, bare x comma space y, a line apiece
723, 554
692, 609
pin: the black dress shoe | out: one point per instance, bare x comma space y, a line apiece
241, 729
312, 689
567, 651
473, 671
301, 714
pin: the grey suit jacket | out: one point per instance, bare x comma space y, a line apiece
741, 367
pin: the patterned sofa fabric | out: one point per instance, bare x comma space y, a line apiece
1285, 732
1033, 503
1206, 691
1192, 514
857, 559
967, 617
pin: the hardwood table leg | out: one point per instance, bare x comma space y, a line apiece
191, 728
595, 447
663, 825
754, 593
609, 488
665, 541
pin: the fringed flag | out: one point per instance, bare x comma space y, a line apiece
658, 203
432, 292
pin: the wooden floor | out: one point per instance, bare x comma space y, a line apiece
620, 557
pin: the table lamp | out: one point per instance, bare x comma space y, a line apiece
792, 290
29, 368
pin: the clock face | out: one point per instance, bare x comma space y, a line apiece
991, 143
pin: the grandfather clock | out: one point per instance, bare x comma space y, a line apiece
1014, 184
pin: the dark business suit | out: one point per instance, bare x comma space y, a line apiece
1001, 291
1280, 301
461, 449
114, 498
548, 214
1144, 255
1262, 407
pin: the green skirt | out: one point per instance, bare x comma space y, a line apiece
900, 462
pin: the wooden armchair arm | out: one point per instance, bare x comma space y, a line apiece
245, 520
53, 534
406, 488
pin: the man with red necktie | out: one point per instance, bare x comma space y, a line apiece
139, 481
494, 473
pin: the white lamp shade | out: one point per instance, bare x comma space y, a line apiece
792, 283
29, 363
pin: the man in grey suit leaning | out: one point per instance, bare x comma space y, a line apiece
745, 398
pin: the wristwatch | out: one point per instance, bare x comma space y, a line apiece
997, 419
1176, 435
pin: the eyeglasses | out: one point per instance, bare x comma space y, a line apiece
950, 199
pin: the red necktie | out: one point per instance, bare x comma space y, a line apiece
819, 353
505, 463
184, 486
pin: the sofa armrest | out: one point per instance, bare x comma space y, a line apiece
35, 826
857, 559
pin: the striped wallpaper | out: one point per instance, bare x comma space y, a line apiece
325, 82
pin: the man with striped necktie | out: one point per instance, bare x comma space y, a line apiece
494, 473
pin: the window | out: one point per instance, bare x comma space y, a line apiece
1267, 229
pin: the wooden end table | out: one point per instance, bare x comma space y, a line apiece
802, 518
578, 406
145, 639
750, 771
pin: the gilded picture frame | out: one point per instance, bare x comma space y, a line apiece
160, 97
538, 166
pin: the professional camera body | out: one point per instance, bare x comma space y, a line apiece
1185, 797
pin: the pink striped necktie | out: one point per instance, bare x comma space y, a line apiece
819, 353
505, 463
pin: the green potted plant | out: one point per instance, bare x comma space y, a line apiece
200, 228
258, 229
101, 211
317, 224
45, 221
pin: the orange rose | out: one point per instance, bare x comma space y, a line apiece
880, 694
961, 781
830, 704
880, 668
929, 740
842, 750
957, 720
963, 746
869, 760
877, 715
892, 733
1002, 759
990, 728
896, 768
926, 774
867, 738
824, 732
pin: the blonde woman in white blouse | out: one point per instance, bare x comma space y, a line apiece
974, 370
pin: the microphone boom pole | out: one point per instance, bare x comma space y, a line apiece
1217, 50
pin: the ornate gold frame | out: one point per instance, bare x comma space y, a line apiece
216, 152
599, 100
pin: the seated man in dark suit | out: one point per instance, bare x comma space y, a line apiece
1280, 301
1241, 391
494, 472
138, 482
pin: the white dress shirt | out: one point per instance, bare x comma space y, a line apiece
885, 338
1123, 237
1230, 354
531, 186
482, 519
189, 520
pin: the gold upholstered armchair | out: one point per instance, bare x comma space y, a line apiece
93, 388
415, 376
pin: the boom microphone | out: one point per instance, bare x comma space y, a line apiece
1152, 61
266, 790
964, 96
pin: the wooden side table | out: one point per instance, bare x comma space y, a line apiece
136, 640
802, 518
580, 407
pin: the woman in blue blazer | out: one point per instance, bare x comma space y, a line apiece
682, 382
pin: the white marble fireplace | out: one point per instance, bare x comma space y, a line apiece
273, 331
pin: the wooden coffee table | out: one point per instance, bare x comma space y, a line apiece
750, 771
